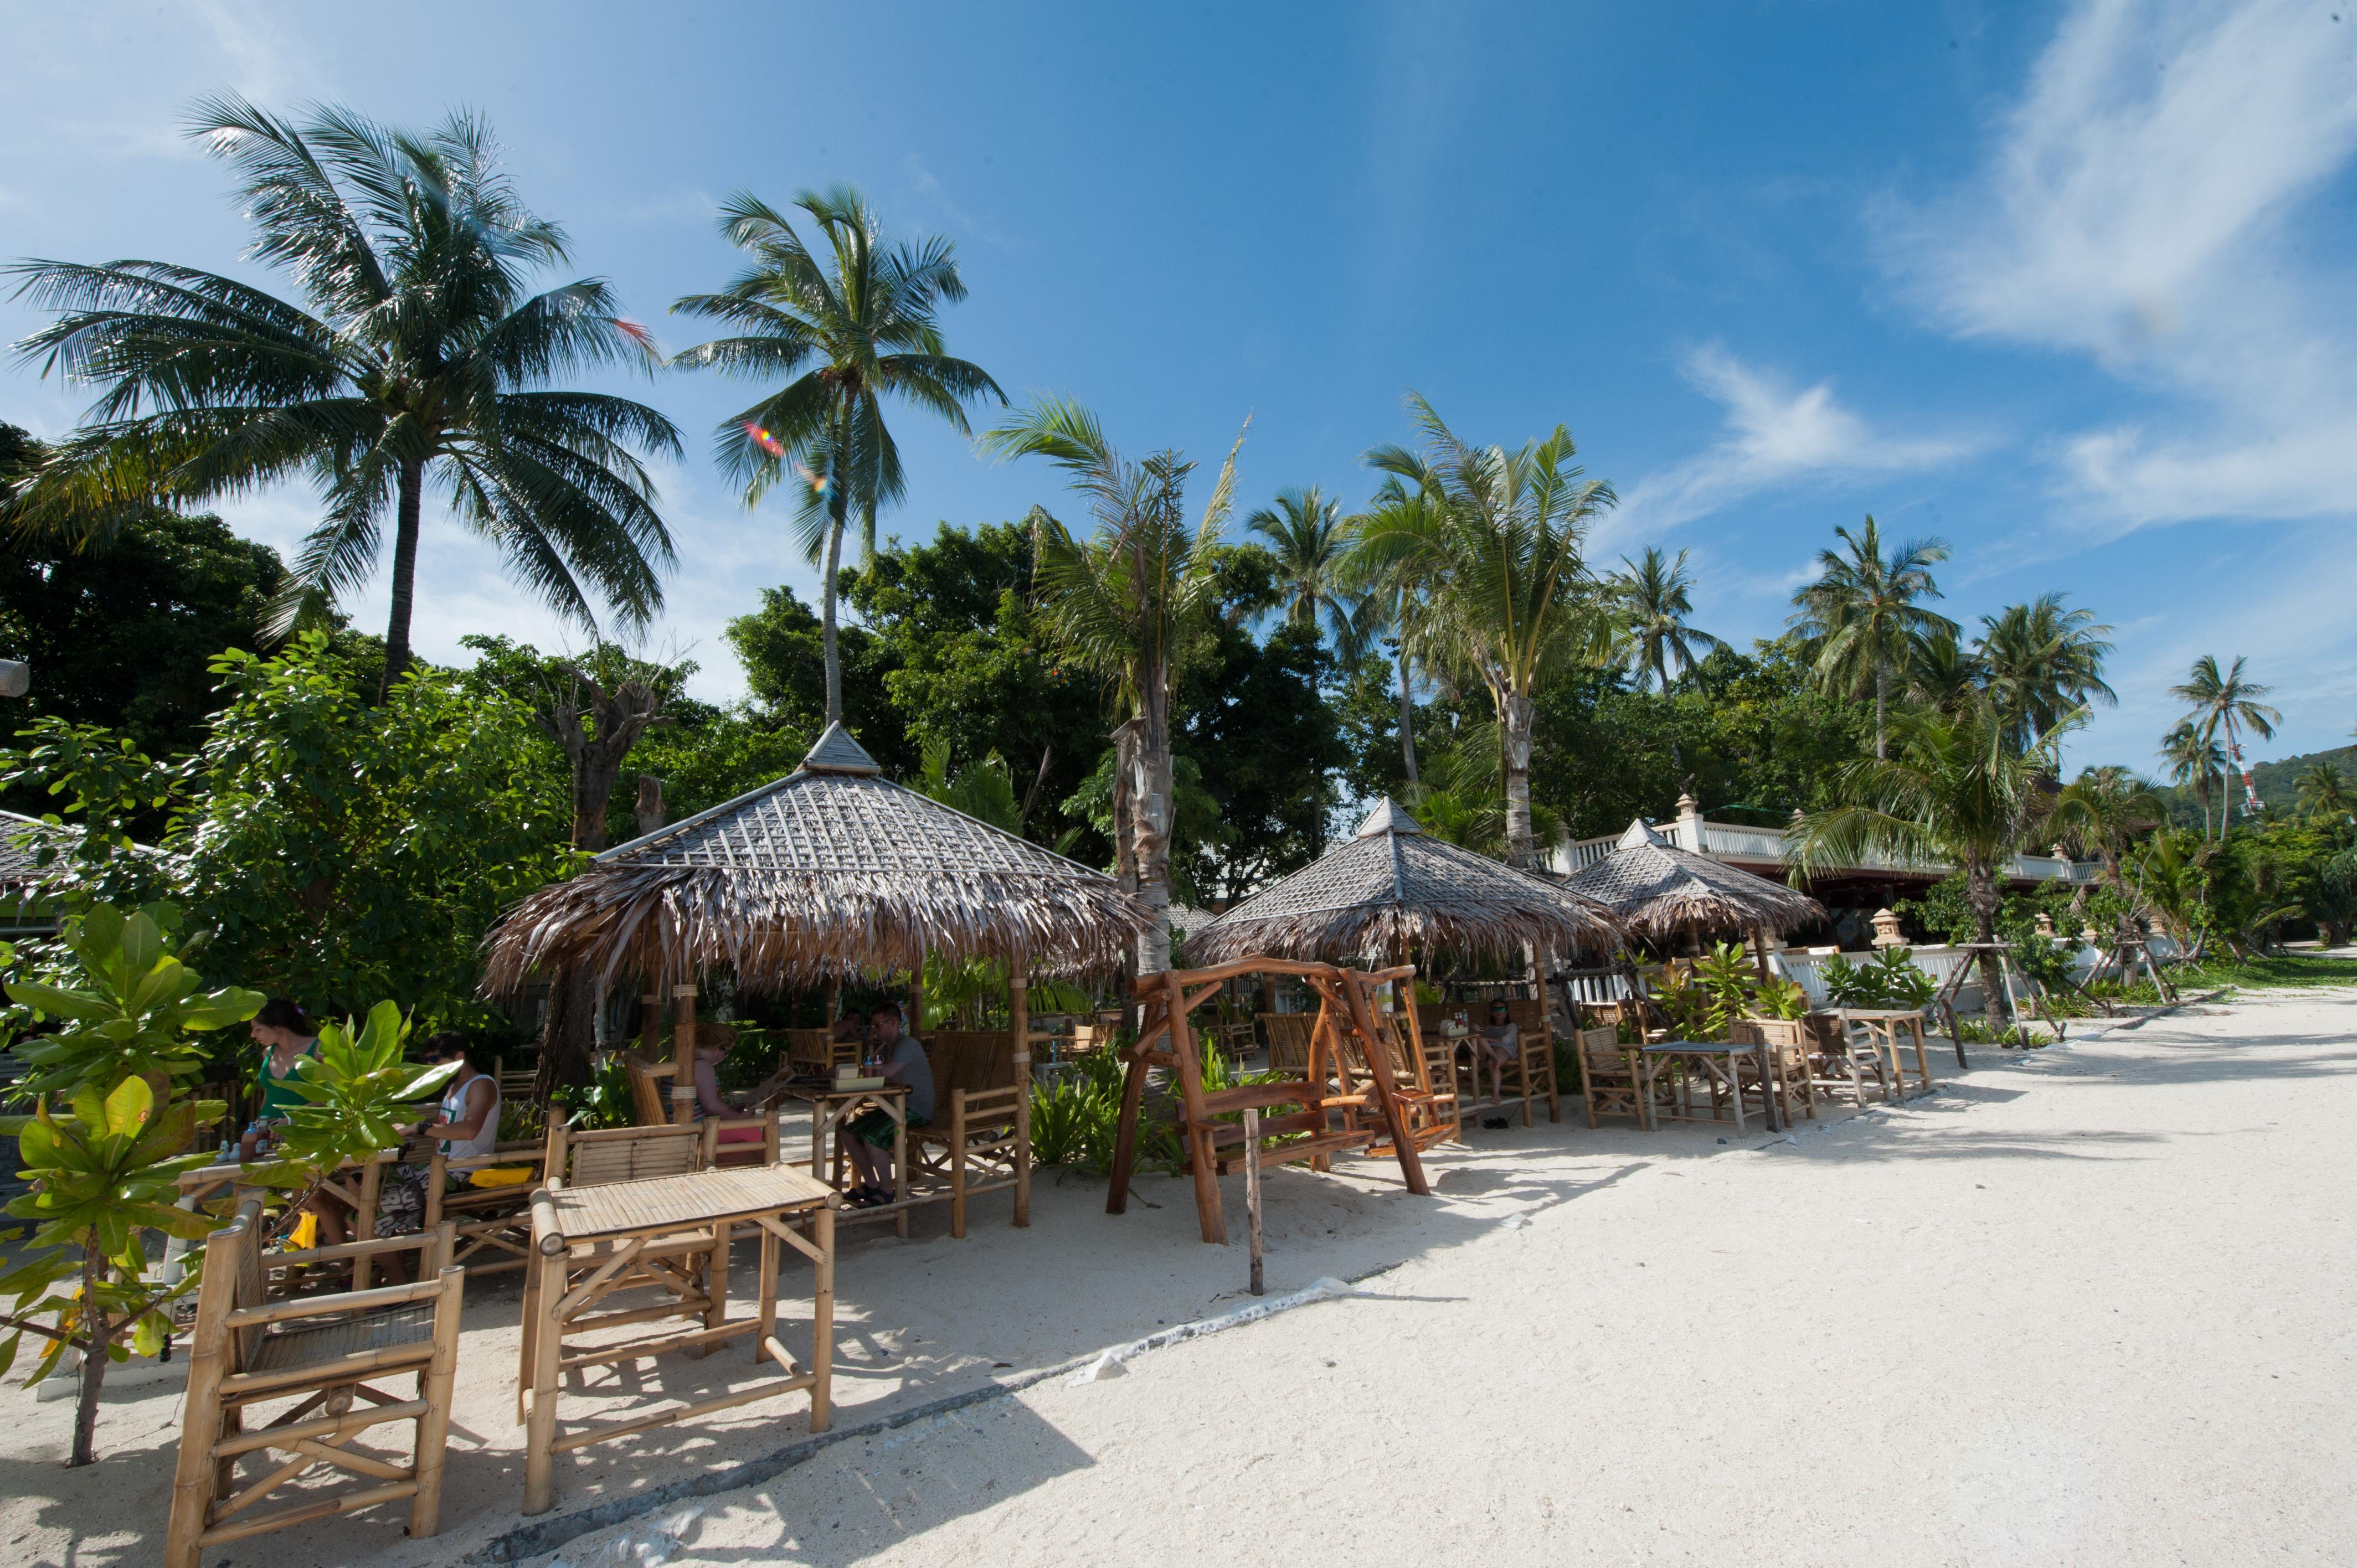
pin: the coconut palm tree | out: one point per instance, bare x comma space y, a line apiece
1394, 599
850, 331
418, 358
1956, 790
1649, 603
2107, 811
2043, 661
1499, 545
1311, 539
2194, 757
2324, 793
2226, 703
1862, 618
1945, 673
1124, 602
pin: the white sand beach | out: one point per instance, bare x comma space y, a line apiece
2089, 1304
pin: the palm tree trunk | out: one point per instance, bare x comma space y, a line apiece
1408, 722
1980, 891
410, 500
826, 619
1881, 710
1152, 825
1516, 714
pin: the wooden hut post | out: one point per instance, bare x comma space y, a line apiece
683, 1083
651, 1018
1018, 1023
915, 1023
1759, 954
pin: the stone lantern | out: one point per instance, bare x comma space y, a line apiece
1885, 929
2046, 925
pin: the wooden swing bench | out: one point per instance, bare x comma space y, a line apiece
1349, 1095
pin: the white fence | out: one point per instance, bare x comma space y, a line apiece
1733, 841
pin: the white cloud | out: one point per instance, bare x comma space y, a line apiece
1773, 431
2140, 205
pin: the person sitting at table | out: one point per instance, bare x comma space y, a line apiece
1501, 1043
713, 1044
465, 1122
289, 1036
870, 1144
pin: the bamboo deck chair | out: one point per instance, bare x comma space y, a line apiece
1787, 1041
983, 1143
325, 1354
1612, 1077
653, 1110
1288, 1040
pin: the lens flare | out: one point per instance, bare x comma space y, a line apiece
764, 440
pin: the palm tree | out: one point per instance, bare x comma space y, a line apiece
1956, 790
2223, 702
1650, 601
2107, 811
2194, 757
2324, 793
1944, 673
1311, 539
1124, 602
1862, 617
1394, 599
2043, 661
418, 358
850, 332
1499, 546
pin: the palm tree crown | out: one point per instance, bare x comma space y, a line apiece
419, 356
2043, 661
2223, 702
850, 332
1862, 616
1311, 539
2194, 757
1650, 601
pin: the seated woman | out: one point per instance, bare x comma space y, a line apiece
1501, 1046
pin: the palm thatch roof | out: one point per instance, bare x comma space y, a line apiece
831, 870
1659, 891
1393, 887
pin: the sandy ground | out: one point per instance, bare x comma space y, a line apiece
2088, 1306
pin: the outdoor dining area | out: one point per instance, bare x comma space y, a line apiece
632, 1240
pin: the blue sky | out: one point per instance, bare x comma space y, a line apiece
2068, 285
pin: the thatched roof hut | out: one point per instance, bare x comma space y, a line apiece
831, 871
1658, 890
1393, 887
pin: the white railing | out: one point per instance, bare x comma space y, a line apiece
1732, 841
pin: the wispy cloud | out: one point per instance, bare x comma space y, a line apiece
2140, 205
1773, 431
930, 186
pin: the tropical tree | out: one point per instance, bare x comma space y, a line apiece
850, 331
2042, 660
2195, 760
1395, 600
1499, 546
2324, 793
1649, 603
1863, 615
2105, 810
418, 358
1124, 602
1956, 790
1310, 539
1945, 673
2224, 704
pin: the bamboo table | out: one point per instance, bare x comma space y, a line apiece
1717, 1058
355, 1185
673, 1231
832, 1109
1882, 1026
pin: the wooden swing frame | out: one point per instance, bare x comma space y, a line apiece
1166, 1038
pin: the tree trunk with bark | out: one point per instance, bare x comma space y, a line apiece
1407, 720
1152, 820
1881, 710
93, 1341
1981, 893
408, 507
568, 1035
1516, 714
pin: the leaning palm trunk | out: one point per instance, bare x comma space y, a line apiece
1408, 722
407, 518
1153, 822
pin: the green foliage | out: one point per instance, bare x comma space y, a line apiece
355, 1090
127, 1002
704, 756
1725, 976
1252, 711
1888, 979
607, 1102
782, 650
1783, 999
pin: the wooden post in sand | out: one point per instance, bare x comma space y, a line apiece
1251, 1190
683, 1083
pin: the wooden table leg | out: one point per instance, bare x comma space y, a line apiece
897, 1107
823, 1324
1770, 1088
716, 1278
768, 1312
540, 1461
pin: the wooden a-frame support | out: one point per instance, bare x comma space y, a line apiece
1166, 1039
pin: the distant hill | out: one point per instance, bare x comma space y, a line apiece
2276, 782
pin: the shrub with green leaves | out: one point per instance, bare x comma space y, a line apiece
357, 1092
128, 1003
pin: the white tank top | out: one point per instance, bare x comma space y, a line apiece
454, 1108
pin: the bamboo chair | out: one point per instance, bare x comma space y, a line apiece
1794, 1084
1612, 1077
324, 1353
654, 1110
514, 1082
985, 1143
1288, 1040
493, 1224
1848, 1060
815, 1053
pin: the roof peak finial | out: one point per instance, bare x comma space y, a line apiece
837, 752
1388, 817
